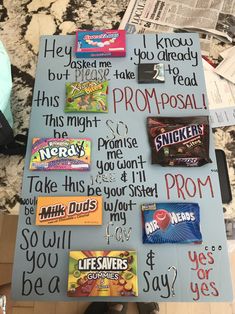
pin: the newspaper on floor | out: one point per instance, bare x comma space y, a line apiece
221, 97
226, 68
215, 17
132, 22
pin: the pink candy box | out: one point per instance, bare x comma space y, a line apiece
100, 43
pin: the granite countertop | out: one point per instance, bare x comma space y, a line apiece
22, 22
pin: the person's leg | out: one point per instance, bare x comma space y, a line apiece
148, 307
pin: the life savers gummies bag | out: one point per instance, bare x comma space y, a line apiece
102, 273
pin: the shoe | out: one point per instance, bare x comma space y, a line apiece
113, 310
148, 307
97, 308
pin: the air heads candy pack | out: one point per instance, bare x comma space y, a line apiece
171, 223
86, 97
102, 273
61, 154
100, 43
69, 210
178, 141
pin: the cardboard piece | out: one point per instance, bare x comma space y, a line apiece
8, 227
121, 172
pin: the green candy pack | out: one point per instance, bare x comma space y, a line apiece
88, 96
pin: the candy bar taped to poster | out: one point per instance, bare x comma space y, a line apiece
122, 173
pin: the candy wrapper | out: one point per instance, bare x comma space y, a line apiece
179, 141
151, 73
171, 223
100, 43
61, 154
102, 273
69, 210
86, 97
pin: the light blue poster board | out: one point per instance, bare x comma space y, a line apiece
122, 173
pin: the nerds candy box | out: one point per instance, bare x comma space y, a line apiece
61, 154
100, 43
171, 223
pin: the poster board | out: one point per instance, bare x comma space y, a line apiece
122, 173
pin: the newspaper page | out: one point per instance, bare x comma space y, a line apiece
221, 98
132, 22
214, 16
226, 68
206, 40
219, 90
